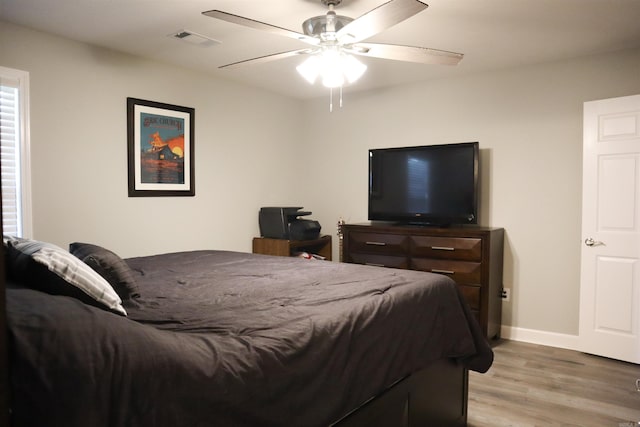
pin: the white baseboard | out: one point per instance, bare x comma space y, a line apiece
534, 336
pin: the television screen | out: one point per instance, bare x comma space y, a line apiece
431, 184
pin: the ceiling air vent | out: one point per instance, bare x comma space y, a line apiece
194, 38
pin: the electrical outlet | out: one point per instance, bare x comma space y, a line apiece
506, 294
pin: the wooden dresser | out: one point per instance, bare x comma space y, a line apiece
470, 255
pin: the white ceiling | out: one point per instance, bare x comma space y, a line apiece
492, 34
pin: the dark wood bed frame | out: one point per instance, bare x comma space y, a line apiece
434, 396
4, 365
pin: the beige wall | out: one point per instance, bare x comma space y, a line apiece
529, 125
243, 136
250, 153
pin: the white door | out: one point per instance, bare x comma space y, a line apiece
610, 273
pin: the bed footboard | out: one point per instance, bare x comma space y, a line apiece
434, 396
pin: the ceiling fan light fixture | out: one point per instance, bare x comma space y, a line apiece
332, 77
333, 66
310, 69
353, 68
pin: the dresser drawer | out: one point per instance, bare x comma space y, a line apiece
462, 272
471, 294
378, 243
378, 260
463, 248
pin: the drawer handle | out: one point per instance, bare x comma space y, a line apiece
375, 243
435, 270
374, 264
442, 248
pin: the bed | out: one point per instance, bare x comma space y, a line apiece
220, 338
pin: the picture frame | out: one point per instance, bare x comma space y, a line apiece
160, 149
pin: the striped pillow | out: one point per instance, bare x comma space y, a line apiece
108, 265
28, 257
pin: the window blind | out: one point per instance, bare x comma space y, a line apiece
10, 157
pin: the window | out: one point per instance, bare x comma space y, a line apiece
14, 152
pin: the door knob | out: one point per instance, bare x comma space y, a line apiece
590, 242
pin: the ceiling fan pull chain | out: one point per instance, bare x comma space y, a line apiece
331, 100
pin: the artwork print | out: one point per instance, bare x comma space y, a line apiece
160, 149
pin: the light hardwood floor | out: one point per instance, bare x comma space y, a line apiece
534, 385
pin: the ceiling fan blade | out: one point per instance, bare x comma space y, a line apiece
379, 19
421, 55
257, 25
269, 58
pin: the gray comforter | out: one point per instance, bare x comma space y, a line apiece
233, 339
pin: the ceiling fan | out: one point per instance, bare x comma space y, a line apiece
331, 30
333, 38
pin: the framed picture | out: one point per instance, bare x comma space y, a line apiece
160, 149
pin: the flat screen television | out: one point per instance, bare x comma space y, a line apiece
430, 184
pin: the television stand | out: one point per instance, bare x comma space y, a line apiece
471, 255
